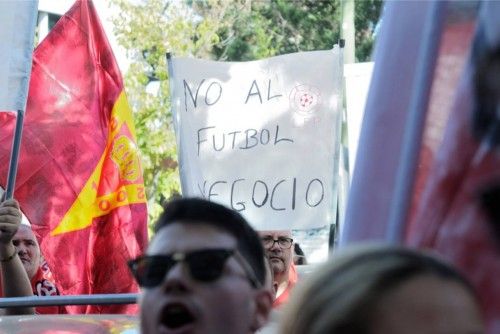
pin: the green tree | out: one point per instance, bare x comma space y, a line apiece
274, 27
279, 27
366, 17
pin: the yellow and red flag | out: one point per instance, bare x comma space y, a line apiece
80, 179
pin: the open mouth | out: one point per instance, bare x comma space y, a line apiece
176, 316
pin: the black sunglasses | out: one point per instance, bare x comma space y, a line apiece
205, 265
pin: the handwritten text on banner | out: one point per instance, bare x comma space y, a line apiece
261, 137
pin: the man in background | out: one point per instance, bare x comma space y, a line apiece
35, 266
14, 279
278, 246
19, 249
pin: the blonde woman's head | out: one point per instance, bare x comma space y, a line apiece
383, 289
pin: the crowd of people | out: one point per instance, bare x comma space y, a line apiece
207, 270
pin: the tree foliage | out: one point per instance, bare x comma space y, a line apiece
211, 29
269, 28
279, 27
366, 16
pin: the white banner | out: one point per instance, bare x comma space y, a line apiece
17, 29
261, 137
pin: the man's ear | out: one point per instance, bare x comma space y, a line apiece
263, 305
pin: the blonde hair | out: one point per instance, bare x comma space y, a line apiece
341, 296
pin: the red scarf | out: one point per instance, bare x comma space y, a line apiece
43, 285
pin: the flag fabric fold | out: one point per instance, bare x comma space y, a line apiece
458, 214
386, 114
80, 179
18, 21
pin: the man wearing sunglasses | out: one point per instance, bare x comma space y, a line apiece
203, 272
279, 248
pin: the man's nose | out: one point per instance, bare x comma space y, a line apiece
176, 280
275, 246
21, 249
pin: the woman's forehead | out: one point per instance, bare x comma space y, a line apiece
24, 232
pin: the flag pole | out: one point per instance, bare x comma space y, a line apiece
338, 205
19, 21
176, 121
14, 155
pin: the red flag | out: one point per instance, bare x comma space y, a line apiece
458, 212
455, 204
80, 179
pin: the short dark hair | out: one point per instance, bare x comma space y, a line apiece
200, 211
